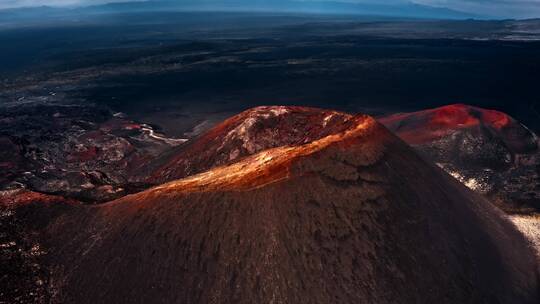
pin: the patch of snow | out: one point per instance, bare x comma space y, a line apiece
171, 141
277, 111
327, 119
242, 131
530, 227
471, 183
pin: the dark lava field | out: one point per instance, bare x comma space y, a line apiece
177, 70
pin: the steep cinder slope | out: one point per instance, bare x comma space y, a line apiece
353, 217
23, 277
487, 150
247, 133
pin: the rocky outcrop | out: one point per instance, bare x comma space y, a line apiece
242, 135
487, 150
84, 152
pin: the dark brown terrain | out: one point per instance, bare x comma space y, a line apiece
117, 185
353, 217
23, 215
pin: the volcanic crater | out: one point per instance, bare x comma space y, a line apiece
354, 216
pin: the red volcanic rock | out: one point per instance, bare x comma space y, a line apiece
429, 125
21, 197
247, 133
37, 209
354, 216
485, 149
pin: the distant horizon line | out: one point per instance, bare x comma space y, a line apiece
312, 7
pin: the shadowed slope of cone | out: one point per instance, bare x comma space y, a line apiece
22, 214
353, 217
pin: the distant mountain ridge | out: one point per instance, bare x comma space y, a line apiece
409, 10
333, 7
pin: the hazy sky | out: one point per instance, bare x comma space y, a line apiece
507, 8
24, 3
510, 8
